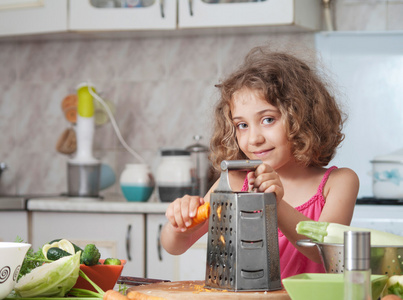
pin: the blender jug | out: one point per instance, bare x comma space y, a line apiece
83, 171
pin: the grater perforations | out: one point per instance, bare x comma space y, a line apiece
242, 236
242, 249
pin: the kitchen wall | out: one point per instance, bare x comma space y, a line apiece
162, 88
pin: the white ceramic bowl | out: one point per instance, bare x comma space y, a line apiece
11, 258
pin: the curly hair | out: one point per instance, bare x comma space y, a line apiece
312, 118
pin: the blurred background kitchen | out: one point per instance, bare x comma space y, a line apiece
161, 83
156, 63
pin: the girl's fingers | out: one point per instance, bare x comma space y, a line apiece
193, 207
251, 181
267, 181
178, 215
271, 177
181, 211
262, 169
277, 190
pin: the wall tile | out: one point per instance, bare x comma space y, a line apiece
141, 59
192, 57
9, 61
234, 48
162, 89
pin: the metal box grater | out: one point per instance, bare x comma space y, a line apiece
242, 249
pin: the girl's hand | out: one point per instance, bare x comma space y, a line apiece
181, 211
266, 180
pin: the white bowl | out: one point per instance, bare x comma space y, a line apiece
11, 258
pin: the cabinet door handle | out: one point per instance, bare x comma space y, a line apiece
191, 7
159, 243
129, 229
162, 8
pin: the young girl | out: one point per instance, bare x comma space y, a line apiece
276, 109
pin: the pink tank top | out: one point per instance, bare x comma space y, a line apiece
293, 262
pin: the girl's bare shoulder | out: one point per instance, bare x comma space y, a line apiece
343, 177
343, 174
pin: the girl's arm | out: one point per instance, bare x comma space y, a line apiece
340, 194
176, 237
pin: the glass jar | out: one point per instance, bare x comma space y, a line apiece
137, 182
175, 175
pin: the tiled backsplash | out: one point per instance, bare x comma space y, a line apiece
163, 90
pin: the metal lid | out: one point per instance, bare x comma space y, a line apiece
175, 152
197, 147
357, 250
394, 157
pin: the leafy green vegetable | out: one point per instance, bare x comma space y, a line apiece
394, 286
51, 279
90, 255
112, 261
87, 293
31, 261
396, 289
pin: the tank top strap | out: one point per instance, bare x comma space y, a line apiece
325, 178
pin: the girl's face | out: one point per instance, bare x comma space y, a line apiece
260, 130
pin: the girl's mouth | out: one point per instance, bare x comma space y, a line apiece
262, 153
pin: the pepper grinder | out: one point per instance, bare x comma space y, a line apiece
357, 267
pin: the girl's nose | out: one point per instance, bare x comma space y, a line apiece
255, 137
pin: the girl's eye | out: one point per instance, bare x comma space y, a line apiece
268, 120
241, 126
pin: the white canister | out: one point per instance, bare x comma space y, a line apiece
175, 175
137, 182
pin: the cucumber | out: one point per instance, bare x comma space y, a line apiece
55, 253
76, 248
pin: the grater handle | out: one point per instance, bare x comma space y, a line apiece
240, 164
226, 165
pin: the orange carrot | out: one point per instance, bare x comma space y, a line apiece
114, 295
202, 214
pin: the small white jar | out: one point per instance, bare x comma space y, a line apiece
175, 175
137, 182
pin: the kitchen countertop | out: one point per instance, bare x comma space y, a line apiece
66, 204
12, 203
196, 290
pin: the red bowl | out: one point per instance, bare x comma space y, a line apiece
105, 276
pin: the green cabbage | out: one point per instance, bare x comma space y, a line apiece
52, 279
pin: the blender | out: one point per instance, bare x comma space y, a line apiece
83, 171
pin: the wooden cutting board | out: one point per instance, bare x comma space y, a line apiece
196, 290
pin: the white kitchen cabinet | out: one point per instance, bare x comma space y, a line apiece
159, 15
304, 14
115, 235
386, 218
13, 224
161, 265
25, 17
